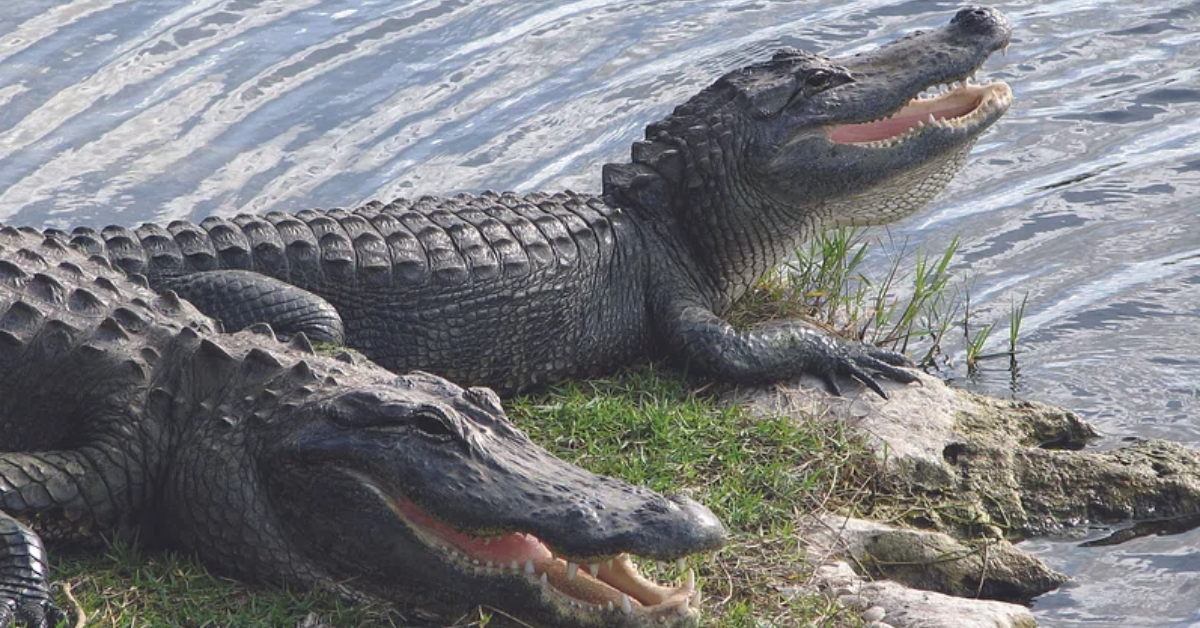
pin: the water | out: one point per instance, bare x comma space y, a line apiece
1085, 197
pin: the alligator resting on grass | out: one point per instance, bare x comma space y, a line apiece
515, 292
120, 407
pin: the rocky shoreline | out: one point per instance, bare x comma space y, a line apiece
972, 475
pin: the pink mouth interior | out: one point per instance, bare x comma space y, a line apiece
519, 547
905, 119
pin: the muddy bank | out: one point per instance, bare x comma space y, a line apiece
965, 476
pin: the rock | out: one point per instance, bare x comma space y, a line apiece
1015, 466
981, 469
911, 608
933, 561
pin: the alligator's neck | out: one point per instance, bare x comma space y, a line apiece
730, 250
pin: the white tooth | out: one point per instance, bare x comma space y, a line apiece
661, 565
932, 120
515, 566
475, 561
594, 568
681, 564
489, 564
529, 567
544, 579
610, 605
696, 599
920, 124
626, 607
571, 569
609, 563
689, 581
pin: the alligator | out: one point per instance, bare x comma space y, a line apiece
123, 409
519, 291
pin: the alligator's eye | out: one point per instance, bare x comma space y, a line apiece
433, 424
818, 78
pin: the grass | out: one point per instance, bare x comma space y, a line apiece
828, 282
128, 587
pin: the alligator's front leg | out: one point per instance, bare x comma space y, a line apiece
66, 490
775, 351
24, 592
240, 298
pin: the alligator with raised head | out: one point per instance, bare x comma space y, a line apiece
122, 408
515, 292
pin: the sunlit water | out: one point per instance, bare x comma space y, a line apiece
1085, 197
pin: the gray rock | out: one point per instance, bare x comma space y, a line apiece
991, 568
912, 608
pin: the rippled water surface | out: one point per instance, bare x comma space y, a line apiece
1085, 196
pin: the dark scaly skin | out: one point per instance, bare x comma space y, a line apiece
515, 292
124, 409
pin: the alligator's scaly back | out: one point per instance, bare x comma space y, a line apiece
120, 407
516, 292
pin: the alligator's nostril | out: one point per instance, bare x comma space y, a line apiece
975, 17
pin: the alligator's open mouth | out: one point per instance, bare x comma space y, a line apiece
962, 106
608, 585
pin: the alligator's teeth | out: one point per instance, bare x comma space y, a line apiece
515, 565
626, 606
571, 569
529, 567
610, 605
594, 568
932, 120
696, 599
609, 563
689, 581
489, 564
545, 580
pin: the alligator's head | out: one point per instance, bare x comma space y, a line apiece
420, 492
769, 152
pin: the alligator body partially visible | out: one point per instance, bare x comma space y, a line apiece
122, 408
515, 291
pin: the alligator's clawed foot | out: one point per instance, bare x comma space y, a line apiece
29, 611
863, 362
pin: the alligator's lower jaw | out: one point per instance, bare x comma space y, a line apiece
963, 108
612, 585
